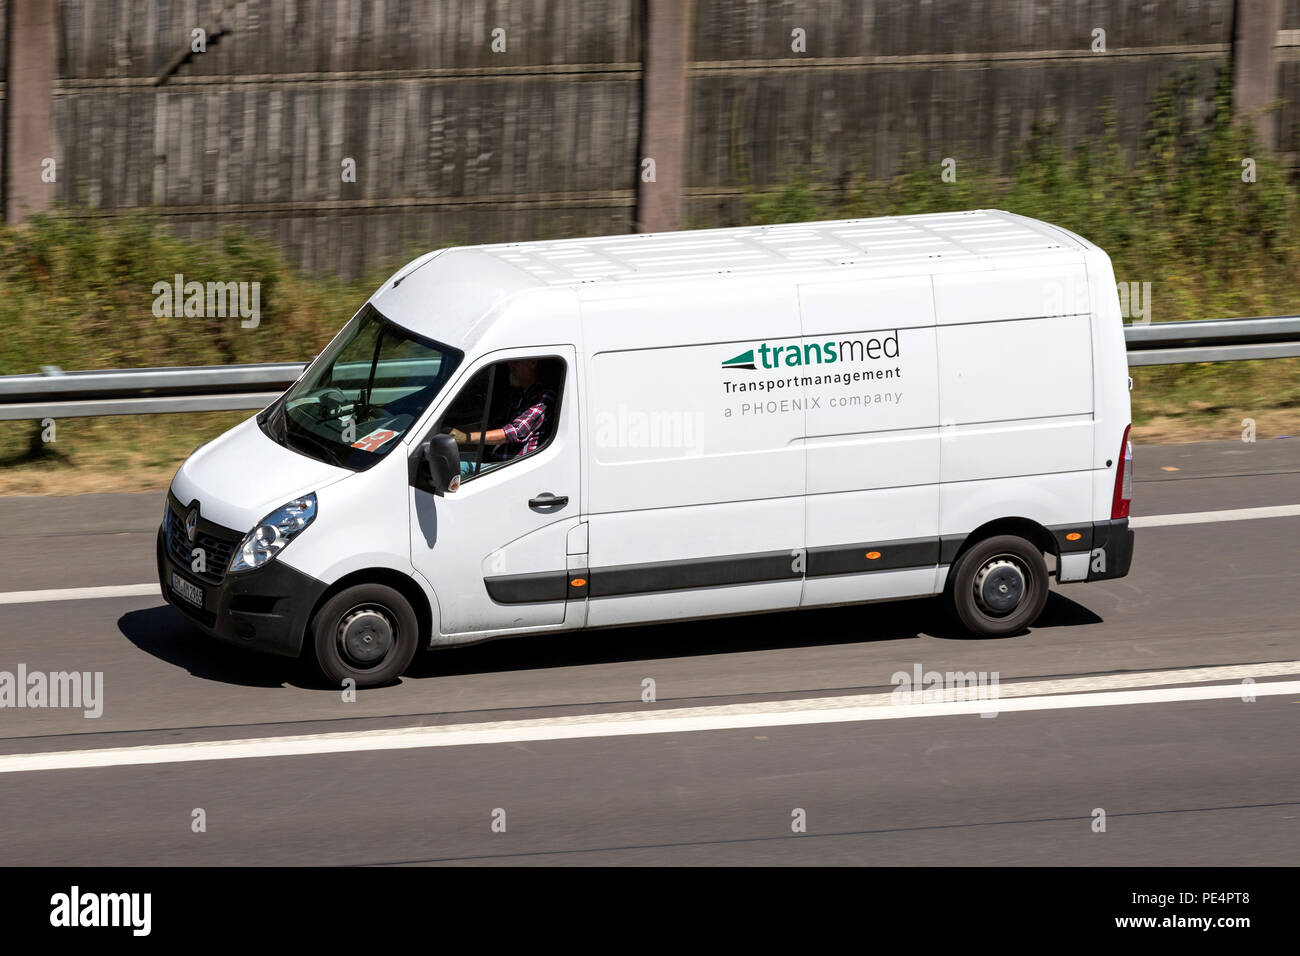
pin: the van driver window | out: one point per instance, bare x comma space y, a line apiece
506, 412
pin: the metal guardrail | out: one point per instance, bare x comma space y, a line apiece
54, 393
1213, 340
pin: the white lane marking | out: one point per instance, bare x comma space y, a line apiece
1206, 517
685, 720
80, 594
153, 590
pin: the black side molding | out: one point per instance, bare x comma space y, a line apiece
694, 573
537, 588
883, 556
712, 572
1112, 538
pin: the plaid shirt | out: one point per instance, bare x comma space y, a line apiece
531, 412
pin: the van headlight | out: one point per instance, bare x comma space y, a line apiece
273, 532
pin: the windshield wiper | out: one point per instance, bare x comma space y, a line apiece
329, 454
281, 415
296, 440
275, 432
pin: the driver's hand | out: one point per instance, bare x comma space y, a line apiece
458, 436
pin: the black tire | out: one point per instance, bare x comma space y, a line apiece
999, 586
367, 632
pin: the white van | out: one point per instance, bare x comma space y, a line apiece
537, 437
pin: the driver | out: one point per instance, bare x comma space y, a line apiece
529, 413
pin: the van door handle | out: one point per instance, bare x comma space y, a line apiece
548, 500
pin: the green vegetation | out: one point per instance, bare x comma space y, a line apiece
78, 293
118, 453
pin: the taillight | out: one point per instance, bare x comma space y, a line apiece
1123, 479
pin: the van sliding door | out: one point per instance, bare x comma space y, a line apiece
696, 461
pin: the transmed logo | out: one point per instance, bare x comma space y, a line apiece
765, 355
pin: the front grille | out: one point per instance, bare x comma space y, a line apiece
217, 552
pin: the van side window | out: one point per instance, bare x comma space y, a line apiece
505, 413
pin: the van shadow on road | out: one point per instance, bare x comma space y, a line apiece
855, 624
165, 634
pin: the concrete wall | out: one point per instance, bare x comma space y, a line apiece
1287, 55
456, 143
452, 142
885, 84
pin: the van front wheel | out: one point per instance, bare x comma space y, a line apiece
999, 586
368, 633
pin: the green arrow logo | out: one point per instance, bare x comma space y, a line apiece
743, 360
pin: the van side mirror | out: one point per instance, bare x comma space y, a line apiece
442, 458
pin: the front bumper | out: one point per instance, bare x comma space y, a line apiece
1112, 549
267, 609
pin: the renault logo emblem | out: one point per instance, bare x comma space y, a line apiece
192, 524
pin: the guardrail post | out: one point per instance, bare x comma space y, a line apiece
29, 109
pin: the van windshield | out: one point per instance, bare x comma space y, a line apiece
359, 397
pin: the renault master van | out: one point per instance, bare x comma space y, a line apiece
537, 437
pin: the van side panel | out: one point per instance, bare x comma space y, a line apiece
1025, 292
1016, 396
872, 510
1051, 500
695, 459
872, 545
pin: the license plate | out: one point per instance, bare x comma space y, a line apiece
191, 592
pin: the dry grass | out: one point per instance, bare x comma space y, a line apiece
1222, 425
1180, 403
119, 453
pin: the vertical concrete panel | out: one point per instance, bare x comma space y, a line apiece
1254, 66
29, 136
660, 204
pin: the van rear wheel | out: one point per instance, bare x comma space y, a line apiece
368, 633
999, 586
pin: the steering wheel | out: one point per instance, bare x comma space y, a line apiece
331, 403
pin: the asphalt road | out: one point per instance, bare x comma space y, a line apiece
1180, 782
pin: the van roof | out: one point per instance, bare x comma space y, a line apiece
887, 241
448, 294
